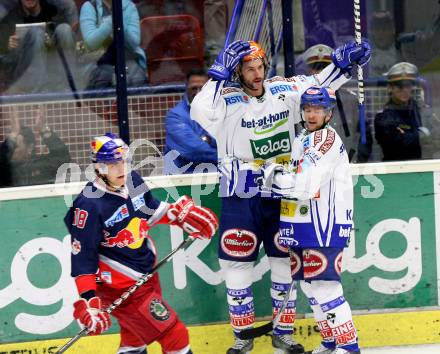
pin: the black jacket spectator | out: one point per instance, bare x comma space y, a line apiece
397, 131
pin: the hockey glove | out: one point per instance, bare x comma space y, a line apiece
228, 59
346, 56
198, 221
276, 180
90, 315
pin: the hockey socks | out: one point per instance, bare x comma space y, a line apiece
320, 318
329, 295
285, 324
241, 308
321, 321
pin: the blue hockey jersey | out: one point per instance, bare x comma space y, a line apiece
109, 232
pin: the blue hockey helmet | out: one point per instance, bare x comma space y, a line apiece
319, 96
108, 148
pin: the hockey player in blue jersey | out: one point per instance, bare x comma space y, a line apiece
253, 122
109, 224
317, 218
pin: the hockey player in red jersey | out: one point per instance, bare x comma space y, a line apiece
109, 223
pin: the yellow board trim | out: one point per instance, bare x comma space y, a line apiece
377, 330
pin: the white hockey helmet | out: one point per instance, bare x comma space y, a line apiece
402, 71
319, 53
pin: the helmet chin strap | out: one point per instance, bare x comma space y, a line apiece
104, 178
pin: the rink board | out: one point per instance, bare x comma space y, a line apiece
391, 265
374, 331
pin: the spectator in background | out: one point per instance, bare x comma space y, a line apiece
29, 60
316, 58
187, 143
215, 14
398, 126
382, 35
20, 165
97, 31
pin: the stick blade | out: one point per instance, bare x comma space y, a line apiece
255, 332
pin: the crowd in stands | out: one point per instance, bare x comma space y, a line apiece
68, 45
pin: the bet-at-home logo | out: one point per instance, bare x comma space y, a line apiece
270, 147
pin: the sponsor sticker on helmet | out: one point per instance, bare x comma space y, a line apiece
238, 243
312, 91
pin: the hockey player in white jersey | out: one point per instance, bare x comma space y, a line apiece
316, 218
253, 122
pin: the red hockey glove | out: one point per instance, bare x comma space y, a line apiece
198, 221
90, 315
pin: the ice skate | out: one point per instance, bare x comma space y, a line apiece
241, 346
285, 345
321, 350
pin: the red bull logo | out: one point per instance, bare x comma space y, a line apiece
132, 236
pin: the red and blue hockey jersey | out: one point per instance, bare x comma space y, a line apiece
109, 233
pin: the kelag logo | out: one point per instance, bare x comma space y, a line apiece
270, 147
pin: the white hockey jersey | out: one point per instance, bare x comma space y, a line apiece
319, 211
249, 130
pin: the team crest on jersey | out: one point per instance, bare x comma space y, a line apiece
119, 215
238, 243
76, 247
138, 202
158, 310
315, 263
270, 147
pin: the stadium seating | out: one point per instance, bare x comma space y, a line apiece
173, 45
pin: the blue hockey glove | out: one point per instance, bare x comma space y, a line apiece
228, 59
344, 57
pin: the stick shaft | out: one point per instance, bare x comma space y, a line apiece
360, 72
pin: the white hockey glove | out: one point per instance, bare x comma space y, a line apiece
277, 180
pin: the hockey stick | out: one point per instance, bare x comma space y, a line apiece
254, 332
360, 72
141, 281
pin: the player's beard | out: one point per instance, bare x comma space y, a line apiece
254, 87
